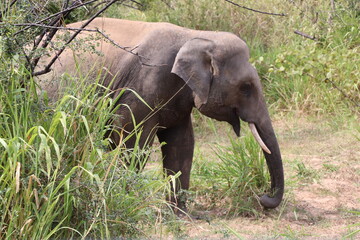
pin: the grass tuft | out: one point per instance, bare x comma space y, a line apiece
233, 181
244, 174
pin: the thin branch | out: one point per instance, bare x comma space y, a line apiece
36, 45
126, 49
167, 4
254, 10
129, 6
58, 13
96, 30
137, 3
54, 27
305, 35
328, 80
49, 36
13, 2
48, 67
342, 92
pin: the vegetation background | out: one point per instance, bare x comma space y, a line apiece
58, 180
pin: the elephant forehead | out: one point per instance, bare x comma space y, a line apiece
225, 41
237, 69
230, 44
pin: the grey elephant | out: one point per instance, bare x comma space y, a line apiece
175, 69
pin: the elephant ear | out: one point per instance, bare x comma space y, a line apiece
195, 64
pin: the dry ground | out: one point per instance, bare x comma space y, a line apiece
322, 171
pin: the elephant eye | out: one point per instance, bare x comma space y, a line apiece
246, 89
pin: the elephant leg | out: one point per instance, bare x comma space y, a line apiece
177, 157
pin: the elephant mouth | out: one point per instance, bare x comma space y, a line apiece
235, 123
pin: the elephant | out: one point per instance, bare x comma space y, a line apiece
175, 69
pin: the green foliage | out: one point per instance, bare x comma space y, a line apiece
330, 167
243, 169
303, 172
234, 181
210, 15
57, 178
312, 78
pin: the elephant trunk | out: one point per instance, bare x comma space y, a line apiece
274, 162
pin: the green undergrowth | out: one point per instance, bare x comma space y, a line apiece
233, 179
311, 78
58, 178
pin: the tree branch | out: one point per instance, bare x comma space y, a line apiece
49, 37
58, 13
328, 80
254, 10
342, 92
126, 49
305, 35
141, 5
52, 61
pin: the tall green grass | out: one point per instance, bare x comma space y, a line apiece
58, 178
233, 181
244, 172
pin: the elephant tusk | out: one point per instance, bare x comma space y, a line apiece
258, 138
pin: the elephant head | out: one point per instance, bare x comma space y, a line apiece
226, 87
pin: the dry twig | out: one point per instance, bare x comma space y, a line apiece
75, 6
356, 104
305, 35
49, 36
52, 61
254, 10
96, 30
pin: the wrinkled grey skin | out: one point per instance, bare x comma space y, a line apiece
203, 69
